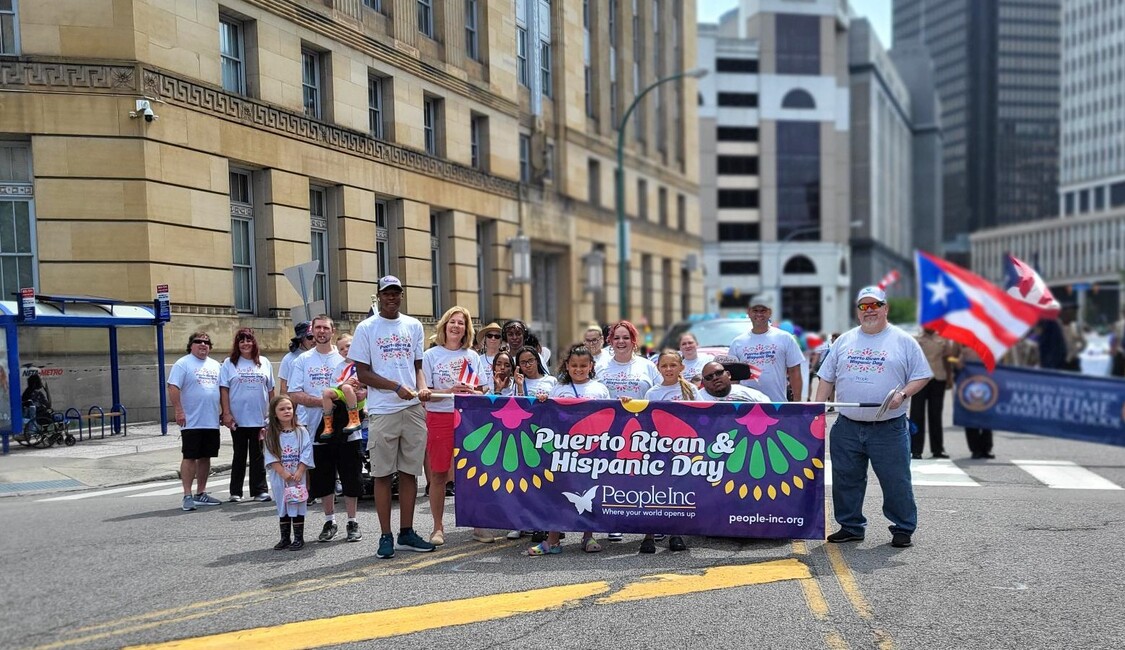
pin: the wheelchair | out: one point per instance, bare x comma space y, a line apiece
45, 429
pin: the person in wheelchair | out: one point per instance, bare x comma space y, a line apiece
37, 401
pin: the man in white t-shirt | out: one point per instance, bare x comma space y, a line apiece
312, 372
865, 365
387, 351
193, 389
773, 351
718, 386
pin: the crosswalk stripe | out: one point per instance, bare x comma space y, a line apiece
98, 493
1065, 475
933, 472
177, 490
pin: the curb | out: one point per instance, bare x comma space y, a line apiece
166, 476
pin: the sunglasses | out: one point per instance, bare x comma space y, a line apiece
715, 375
245, 337
198, 341
308, 337
492, 335
868, 306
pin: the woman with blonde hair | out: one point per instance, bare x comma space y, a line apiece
445, 366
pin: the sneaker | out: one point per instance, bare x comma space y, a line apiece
449, 490
844, 536
235, 498
916, 456
189, 503
658, 537
386, 546
408, 540
615, 537
264, 496
901, 540
676, 543
353, 532
328, 532
648, 545
204, 499
940, 454
514, 534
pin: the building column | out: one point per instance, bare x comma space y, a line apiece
283, 237
356, 265
459, 245
413, 243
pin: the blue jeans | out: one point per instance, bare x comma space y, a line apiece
887, 446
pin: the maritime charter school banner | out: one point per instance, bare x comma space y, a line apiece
682, 468
1060, 404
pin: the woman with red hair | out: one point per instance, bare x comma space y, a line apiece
245, 391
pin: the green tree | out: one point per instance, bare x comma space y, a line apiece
902, 310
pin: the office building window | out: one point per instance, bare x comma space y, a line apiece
375, 117
740, 100
681, 212
662, 206
738, 199
472, 22
549, 162
521, 57
242, 241
739, 231
18, 264
311, 75
9, 29
435, 263
478, 141
588, 90
594, 182
736, 65
525, 158
431, 125
377, 5
426, 17
646, 287
798, 44
545, 67
642, 198
798, 179
739, 267
738, 165
232, 55
737, 134
318, 217
382, 238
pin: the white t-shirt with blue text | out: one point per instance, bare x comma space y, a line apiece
198, 381
866, 367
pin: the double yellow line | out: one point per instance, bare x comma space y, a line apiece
818, 604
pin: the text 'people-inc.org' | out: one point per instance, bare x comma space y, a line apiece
758, 518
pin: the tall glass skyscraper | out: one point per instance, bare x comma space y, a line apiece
997, 74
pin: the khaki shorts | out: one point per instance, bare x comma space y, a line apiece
397, 441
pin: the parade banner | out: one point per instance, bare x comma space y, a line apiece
1051, 403
680, 468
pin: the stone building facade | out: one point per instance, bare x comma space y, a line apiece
414, 137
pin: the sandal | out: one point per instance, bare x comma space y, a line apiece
543, 548
590, 545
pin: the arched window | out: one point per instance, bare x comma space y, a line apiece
798, 98
800, 265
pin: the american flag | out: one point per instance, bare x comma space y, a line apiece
966, 308
1026, 285
468, 375
890, 278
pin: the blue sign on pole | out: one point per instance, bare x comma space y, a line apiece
163, 304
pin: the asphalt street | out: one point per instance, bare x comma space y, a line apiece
1001, 560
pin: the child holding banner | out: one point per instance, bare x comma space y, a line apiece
673, 388
577, 382
448, 367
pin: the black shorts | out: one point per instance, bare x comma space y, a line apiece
199, 443
344, 459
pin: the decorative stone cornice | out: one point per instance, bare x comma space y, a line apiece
47, 74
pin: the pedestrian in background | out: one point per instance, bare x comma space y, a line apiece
926, 407
693, 359
193, 389
245, 391
301, 342
289, 455
866, 364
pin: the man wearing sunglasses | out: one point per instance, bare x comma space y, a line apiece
718, 386
866, 364
193, 389
301, 342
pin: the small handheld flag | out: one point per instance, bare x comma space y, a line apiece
890, 278
468, 375
1026, 285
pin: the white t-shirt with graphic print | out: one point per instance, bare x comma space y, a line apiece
773, 352
631, 379
311, 373
865, 367
390, 347
592, 389
673, 393
198, 381
441, 367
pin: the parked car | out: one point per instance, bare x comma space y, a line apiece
714, 335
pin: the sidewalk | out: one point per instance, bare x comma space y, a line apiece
142, 455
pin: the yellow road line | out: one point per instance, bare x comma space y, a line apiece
852, 592
814, 597
720, 577
835, 642
203, 609
354, 628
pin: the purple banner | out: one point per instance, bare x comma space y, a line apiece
684, 468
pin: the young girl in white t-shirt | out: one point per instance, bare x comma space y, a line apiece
673, 388
577, 369
287, 450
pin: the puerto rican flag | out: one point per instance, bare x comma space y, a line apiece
1026, 285
468, 375
966, 308
755, 371
347, 373
890, 278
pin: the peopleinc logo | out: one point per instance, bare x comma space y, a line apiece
647, 498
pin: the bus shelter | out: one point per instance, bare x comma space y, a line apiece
76, 312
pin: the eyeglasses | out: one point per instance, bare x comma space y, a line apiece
198, 341
868, 306
592, 340
530, 361
715, 375
492, 335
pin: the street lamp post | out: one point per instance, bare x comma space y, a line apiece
619, 198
